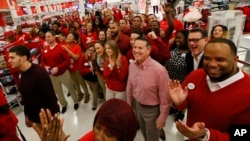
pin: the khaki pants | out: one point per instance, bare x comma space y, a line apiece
77, 81
57, 82
94, 88
102, 84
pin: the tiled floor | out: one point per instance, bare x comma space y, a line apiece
77, 123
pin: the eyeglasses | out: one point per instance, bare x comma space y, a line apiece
195, 40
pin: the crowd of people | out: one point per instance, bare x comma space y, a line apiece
145, 69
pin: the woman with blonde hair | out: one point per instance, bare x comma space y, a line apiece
115, 71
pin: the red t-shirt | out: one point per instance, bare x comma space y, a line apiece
90, 136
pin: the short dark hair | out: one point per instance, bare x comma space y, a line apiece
114, 22
184, 32
102, 43
72, 27
230, 43
20, 50
137, 17
158, 23
202, 31
146, 40
137, 31
56, 23
76, 36
151, 15
62, 34
52, 32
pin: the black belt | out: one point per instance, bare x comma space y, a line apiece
4, 109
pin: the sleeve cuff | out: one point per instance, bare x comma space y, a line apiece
206, 137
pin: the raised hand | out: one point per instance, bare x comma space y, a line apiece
177, 94
166, 7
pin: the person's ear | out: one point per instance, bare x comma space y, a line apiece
24, 58
236, 58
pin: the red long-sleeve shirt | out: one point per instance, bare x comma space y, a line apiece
84, 65
159, 50
124, 44
56, 57
116, 79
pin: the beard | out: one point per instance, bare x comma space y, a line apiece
114, 34
223, 76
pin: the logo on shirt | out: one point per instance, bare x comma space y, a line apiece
191, 86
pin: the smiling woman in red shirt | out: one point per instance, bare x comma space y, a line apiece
115, 71
74, 50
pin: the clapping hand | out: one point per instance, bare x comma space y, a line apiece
111, 62
51, 127
196, 131
118, 61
